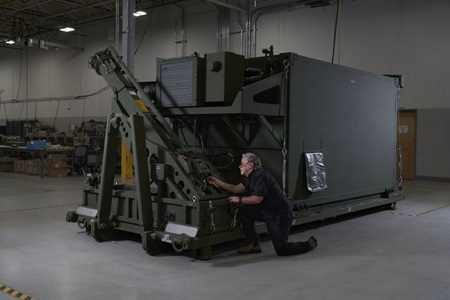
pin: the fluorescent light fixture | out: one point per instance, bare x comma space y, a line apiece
67, 29
139, 13
11, 42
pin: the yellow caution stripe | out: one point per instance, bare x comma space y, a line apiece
422, 213
14, 293
402, 214
59, 149
141, 105
431, 210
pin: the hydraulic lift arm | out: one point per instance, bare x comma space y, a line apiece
131, 99
183, 202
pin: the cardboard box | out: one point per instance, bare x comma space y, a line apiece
7, 164
57, 156
32, 167
19, 166
57, 164
60, 172
84, 140
42, 134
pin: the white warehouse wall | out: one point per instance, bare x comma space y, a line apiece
408, 37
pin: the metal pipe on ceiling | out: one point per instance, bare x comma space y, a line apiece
75, 10
251, 51
14, 11
228, 5
257, 13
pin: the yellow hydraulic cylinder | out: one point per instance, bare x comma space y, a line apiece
126, 163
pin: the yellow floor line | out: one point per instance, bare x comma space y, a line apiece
422, 213
10, 291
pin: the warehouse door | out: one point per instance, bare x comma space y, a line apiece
407, 140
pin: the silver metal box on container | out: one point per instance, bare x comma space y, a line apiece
180, 82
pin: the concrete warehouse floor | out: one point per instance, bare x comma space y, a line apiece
383, 254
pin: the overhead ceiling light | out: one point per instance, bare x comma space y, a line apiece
11, 42
67, 29
139, 13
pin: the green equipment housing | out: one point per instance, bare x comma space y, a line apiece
326, 132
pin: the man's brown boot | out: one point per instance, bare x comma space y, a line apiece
312, 241
254, 247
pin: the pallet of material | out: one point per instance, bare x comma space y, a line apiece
57, 172
57, 165
7, 164
19, 166
32, 167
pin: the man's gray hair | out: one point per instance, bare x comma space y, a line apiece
253, 158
